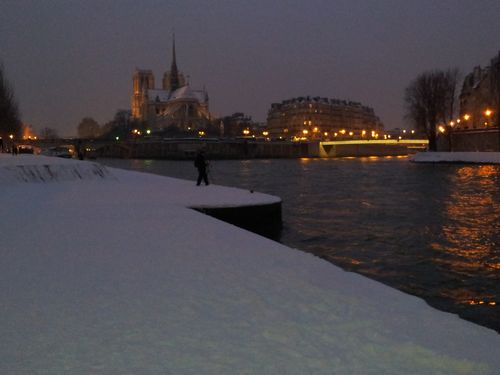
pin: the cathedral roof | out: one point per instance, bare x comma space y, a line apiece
182, 93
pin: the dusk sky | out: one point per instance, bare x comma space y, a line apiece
70, 59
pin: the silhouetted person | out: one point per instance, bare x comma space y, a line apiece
201, 164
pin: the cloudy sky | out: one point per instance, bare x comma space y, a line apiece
69, 59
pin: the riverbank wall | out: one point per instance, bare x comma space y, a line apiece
263, 219
470, 140
179, 149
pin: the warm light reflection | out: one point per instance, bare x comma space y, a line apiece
473, 214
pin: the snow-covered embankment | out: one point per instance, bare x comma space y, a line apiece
116, 275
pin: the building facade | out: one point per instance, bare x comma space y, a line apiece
321, 118
479, 97
174, 104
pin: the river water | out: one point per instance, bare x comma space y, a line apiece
428, 230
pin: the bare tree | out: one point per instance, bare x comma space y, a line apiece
430, 99
451, 80
10, 122
88, 128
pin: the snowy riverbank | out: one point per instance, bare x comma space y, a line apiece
457, 157
111, 273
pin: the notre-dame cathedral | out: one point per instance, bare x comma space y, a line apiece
175, 104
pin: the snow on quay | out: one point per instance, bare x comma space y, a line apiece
110, 273
457, 157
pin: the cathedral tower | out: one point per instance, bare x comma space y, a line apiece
174, 74
143, 80
173, 79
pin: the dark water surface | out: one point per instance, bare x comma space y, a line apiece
428, 230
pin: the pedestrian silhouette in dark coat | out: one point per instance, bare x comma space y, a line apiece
201, 164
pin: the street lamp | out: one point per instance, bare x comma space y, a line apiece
487, 113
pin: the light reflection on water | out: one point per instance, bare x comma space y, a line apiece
429, 230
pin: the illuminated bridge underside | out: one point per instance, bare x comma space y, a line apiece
386, 147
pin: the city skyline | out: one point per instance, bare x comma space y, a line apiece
67, 61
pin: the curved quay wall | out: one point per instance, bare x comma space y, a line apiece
263, 219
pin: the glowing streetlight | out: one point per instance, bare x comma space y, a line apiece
441, 129
466, 117
488, 112
11, 136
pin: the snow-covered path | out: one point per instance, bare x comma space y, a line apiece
115, 275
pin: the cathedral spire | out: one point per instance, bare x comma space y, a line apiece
174, 74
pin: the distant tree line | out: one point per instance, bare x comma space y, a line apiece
121, 127
123, 124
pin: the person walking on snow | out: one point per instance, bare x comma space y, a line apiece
201, 164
